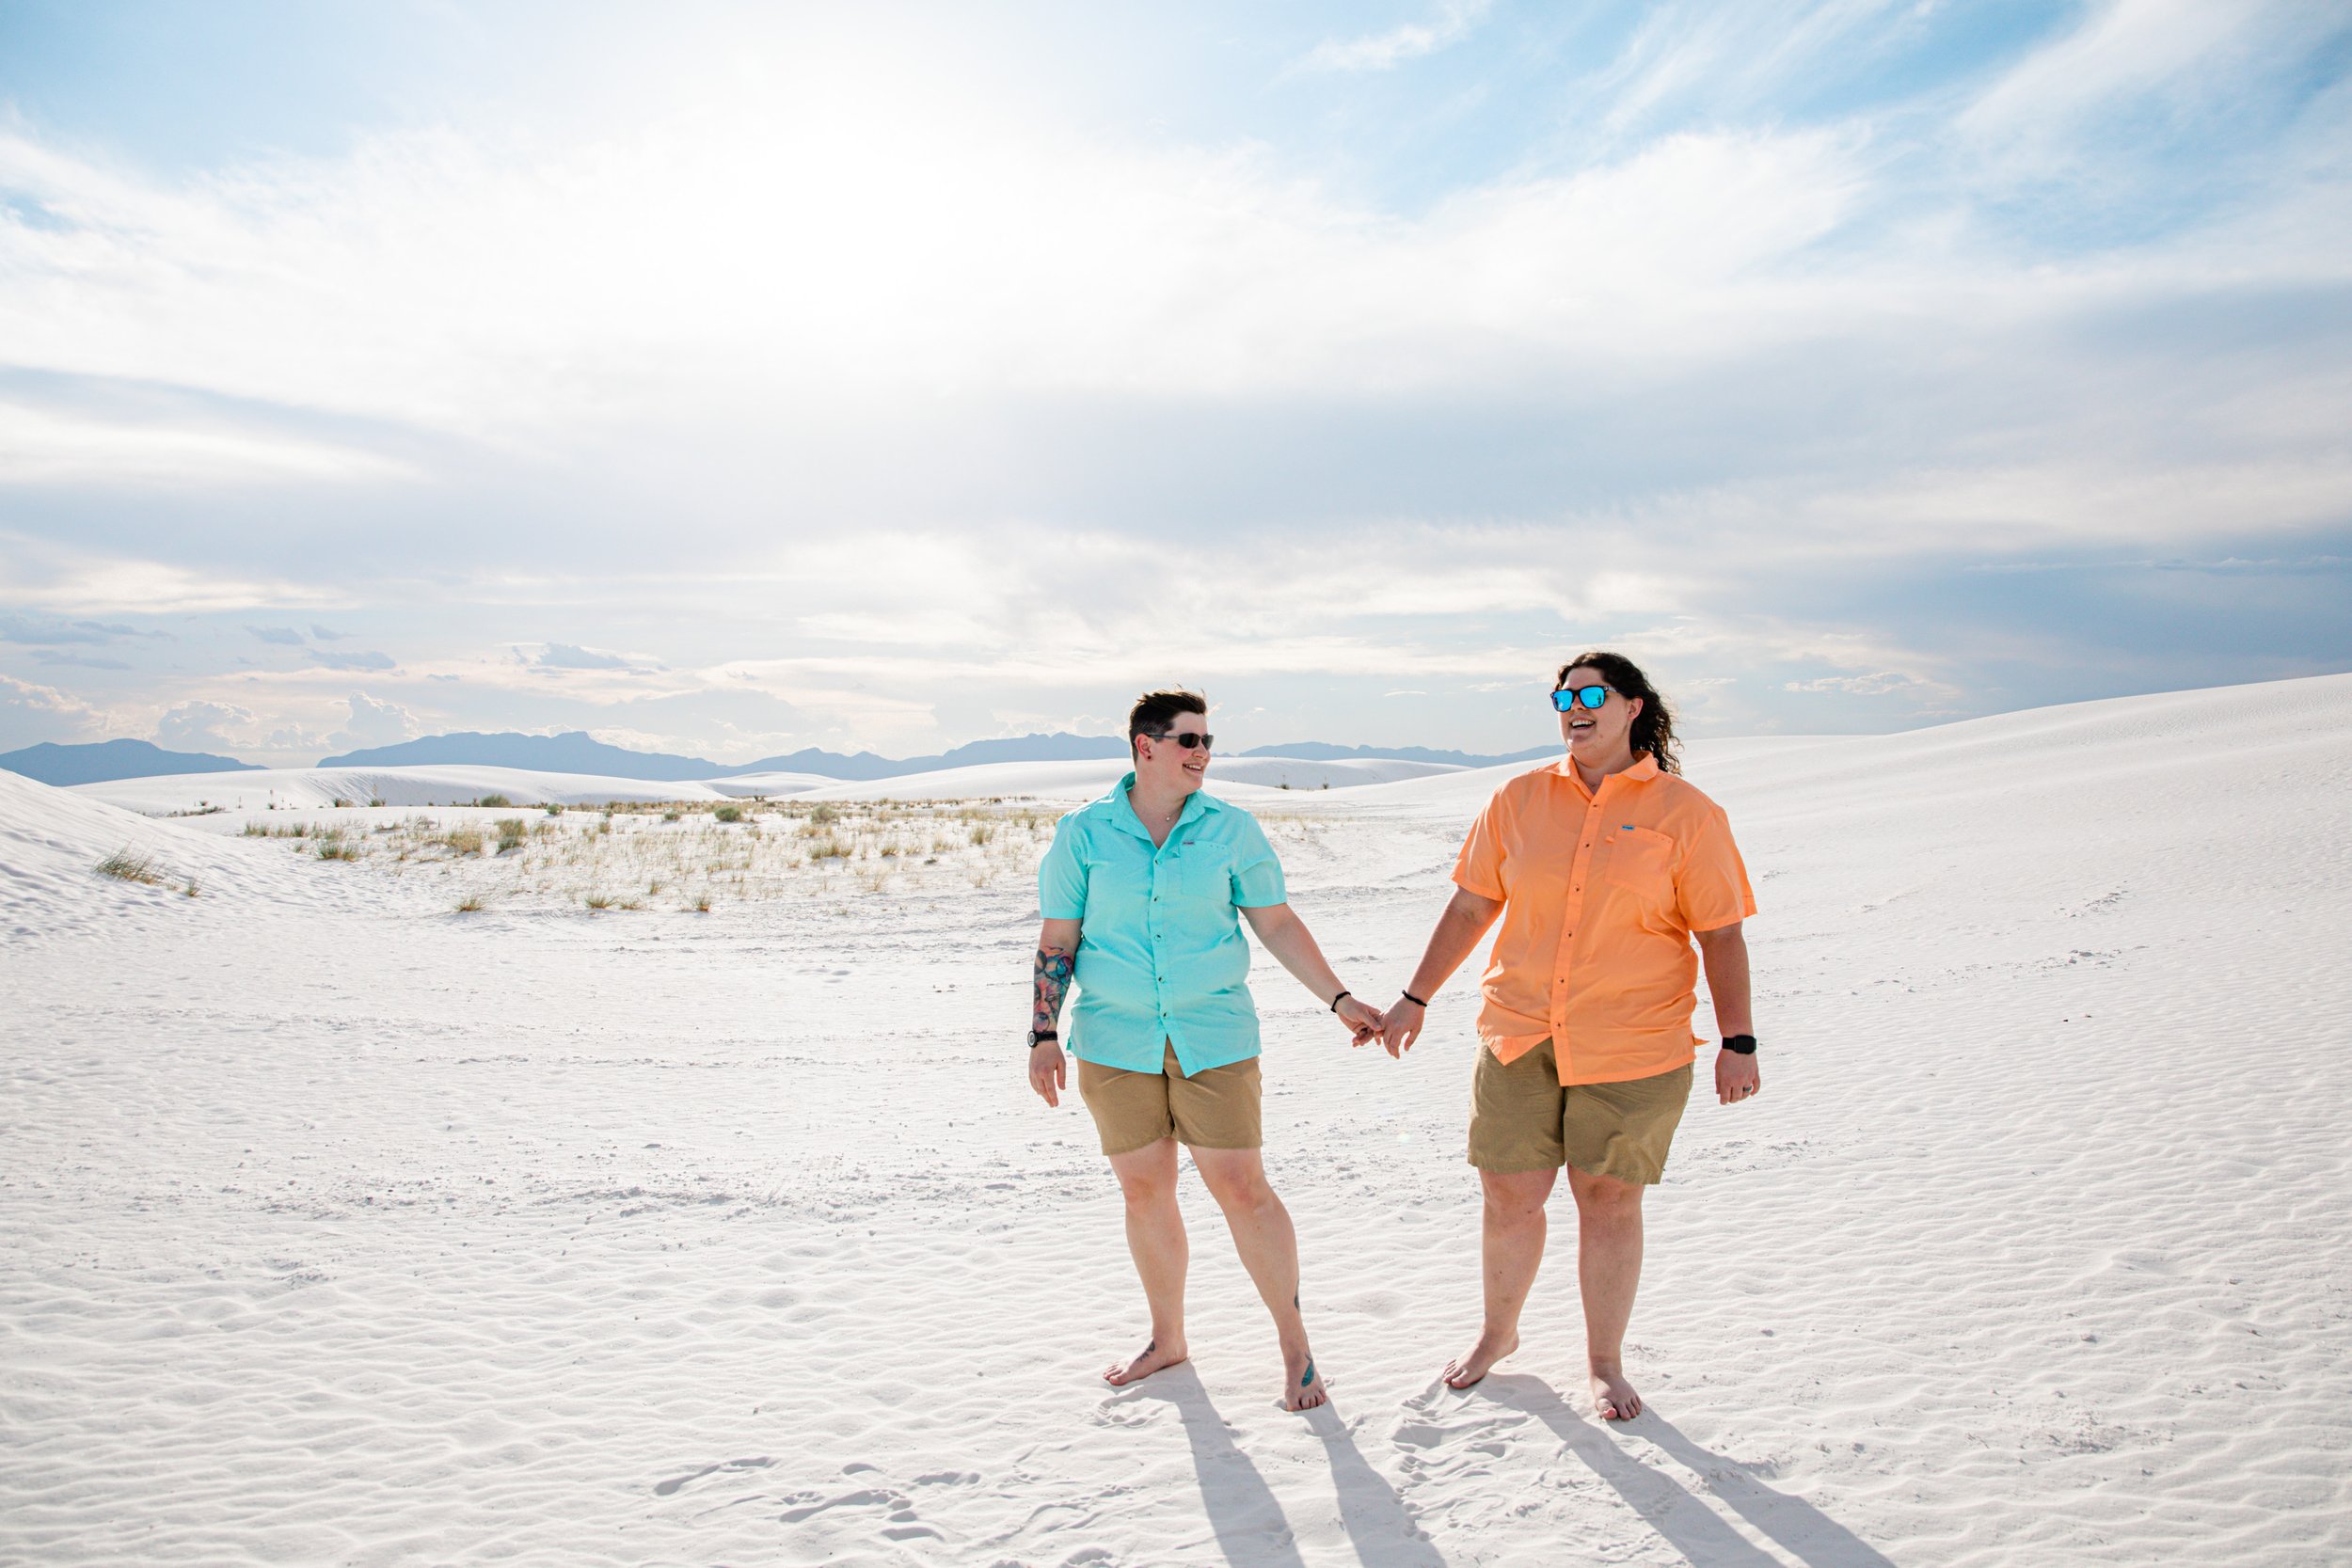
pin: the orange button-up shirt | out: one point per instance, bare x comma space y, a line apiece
1600, 891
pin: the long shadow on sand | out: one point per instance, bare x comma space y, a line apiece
1248, 1520
1251, 1529
1375, 1519
1689, 1525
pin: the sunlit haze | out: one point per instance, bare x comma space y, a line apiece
728, 380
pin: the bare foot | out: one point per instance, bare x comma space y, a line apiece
1475, 1362
1614, 1398
1153, 1357
1302, 1386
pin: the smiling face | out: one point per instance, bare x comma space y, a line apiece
1599, 735
1163, 766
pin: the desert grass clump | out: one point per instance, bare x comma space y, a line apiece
669, 816
332, 847
829, 847
255, 829
599, 901
981, 834
127, 865
463, 841
824, 815
552, 809
471, 904
510, 833
728, 813
493, 800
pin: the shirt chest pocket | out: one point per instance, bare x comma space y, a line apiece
1204, 871
1642, 861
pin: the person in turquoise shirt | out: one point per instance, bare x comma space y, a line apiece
1143, 893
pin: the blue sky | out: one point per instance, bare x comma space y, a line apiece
730, 379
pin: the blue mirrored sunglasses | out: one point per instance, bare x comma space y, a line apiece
1568, 697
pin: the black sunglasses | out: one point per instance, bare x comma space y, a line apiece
1188, 740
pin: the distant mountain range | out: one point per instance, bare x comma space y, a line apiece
576, 752
102, 760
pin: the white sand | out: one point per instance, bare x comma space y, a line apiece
303, 788
306, 788
344, 1230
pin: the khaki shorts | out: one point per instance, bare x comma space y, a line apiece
1214, 1108
1522, 1119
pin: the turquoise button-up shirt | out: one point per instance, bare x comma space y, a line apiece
1161, 957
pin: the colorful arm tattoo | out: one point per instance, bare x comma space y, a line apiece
1054, 969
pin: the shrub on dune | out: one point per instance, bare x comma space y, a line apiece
126, 865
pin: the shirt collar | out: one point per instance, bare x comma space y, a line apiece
1645, 767
1123, 810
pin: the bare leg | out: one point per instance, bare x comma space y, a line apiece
1155, 1238
1511, 1248
1268, 1245
1608, 1271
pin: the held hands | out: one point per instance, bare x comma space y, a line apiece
1404, 1019
1736, 1078
1049, 1075
1363, 1023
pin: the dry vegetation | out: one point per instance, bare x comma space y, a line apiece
692, 856
128, 865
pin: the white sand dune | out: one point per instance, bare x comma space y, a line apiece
344, 1230
436, 784
443, 785
743, 786
1250, 779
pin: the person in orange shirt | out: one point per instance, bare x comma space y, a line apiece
1604, 867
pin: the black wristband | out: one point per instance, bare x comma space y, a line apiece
1414, 1000
1341, 997
1740, 1045
1038, 1037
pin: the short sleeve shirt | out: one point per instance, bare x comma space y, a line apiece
1602, 890
1161, 957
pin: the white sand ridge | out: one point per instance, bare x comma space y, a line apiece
450, 783
341, 1227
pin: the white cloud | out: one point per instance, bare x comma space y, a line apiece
2128, 49
372, 722
202, 726
64, 580
1874, 684
361, 660
752, 255
1409, 41
50, 447
564, 655
31, 713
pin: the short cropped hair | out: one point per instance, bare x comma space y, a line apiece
1155, 711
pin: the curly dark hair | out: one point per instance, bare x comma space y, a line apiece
1654, 731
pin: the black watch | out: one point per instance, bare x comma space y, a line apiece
1740, 1045
1037, 1037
